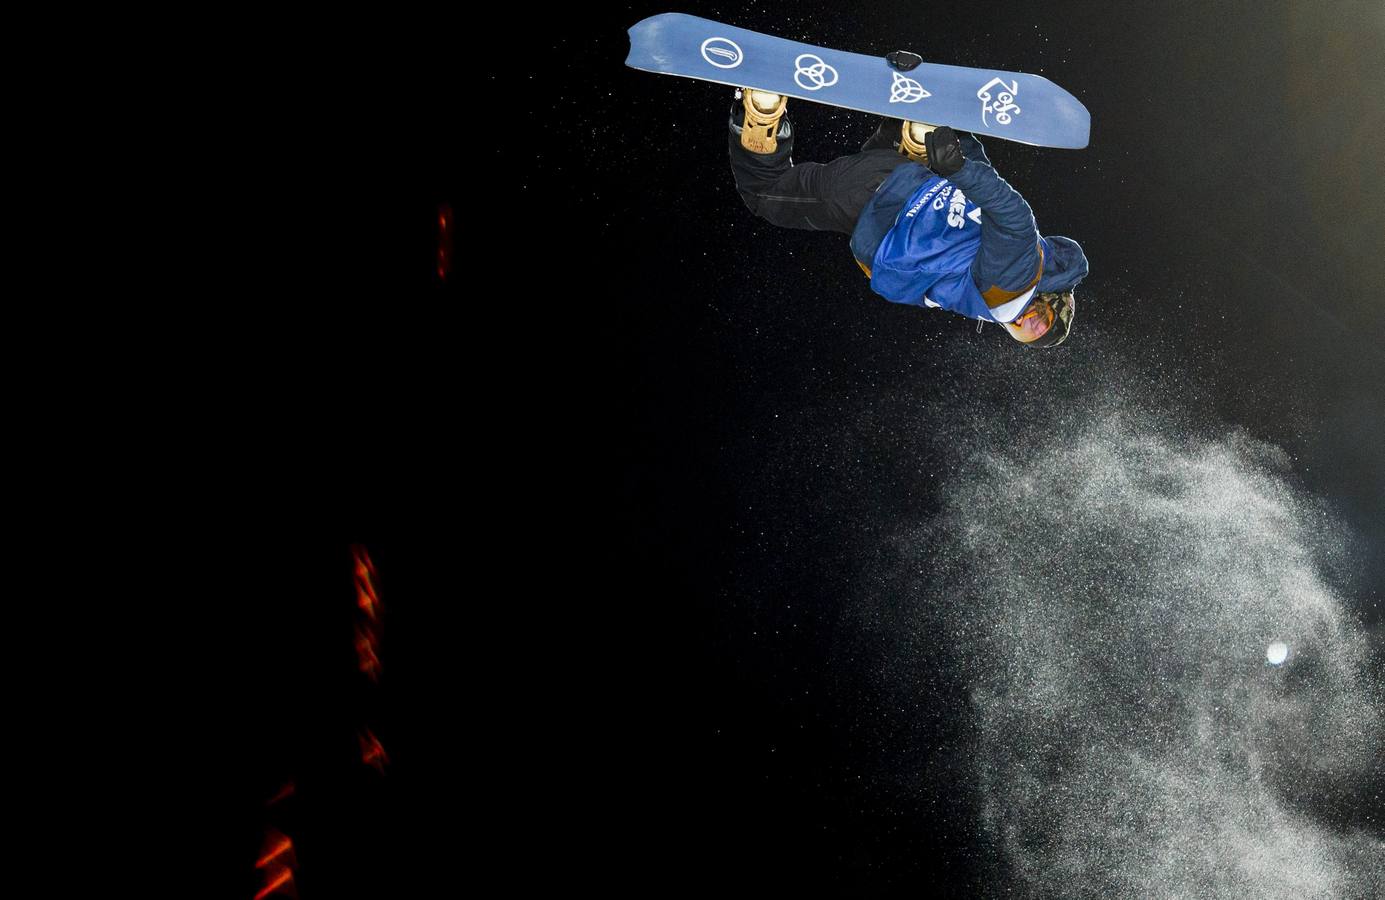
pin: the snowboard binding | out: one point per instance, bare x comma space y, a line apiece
903, 60
760, 129
912, 139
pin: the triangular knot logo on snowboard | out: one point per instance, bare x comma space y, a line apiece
906, 90
812, 74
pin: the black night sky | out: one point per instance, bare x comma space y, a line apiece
706, 566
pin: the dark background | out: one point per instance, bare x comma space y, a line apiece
620, 517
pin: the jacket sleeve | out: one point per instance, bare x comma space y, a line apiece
972, 148
1009, 260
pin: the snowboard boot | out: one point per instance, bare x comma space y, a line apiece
886, 136
758, 123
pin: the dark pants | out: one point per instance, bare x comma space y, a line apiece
815, 196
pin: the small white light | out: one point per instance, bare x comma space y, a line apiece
1277, 652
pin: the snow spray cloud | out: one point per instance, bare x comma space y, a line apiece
1131, 738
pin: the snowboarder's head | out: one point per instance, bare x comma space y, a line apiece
1046, 321
1048, 318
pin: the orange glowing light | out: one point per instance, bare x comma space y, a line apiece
284, 793
366, 657
277, 849
372, 754
444, 241
367, 601
364, 566
366, 597
283, 880
278, 862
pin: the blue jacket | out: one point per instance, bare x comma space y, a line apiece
967, 243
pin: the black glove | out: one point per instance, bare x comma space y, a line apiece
944, 151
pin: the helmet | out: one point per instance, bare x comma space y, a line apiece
1059, 309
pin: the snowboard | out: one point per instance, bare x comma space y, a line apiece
1015, 106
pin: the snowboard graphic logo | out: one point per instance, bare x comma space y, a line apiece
1004, 102
906, 90
814, 76
721, 52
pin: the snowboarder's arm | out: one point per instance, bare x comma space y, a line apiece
1003, 210
1008, 262
972, 148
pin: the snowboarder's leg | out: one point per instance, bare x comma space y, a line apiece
813, 196
886, 135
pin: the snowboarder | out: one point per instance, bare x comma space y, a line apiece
931, 222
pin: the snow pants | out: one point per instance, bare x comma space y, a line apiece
814, 196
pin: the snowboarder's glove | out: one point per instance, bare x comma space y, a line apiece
944, 151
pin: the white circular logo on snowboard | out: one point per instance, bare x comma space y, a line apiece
812, 74
722, 52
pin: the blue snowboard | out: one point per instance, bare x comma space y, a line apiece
1029, 109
